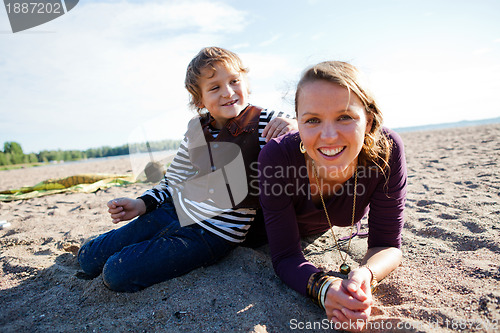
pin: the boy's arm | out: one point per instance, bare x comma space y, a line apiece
177, 173
124, 209
270, 121
279, 126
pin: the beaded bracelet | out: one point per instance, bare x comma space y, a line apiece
374, 281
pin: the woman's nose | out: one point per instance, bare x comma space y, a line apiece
329, 131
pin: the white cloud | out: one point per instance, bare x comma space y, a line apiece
270, 41
210, 17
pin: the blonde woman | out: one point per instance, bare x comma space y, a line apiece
339, 166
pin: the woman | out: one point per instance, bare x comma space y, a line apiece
340, 165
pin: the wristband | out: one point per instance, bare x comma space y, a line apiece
324, 289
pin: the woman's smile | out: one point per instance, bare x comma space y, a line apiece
331, 152
332, 124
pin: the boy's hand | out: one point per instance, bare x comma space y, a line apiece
124, 209
279, 126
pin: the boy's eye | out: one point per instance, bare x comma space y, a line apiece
213, 88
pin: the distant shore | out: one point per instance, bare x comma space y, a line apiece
457, 124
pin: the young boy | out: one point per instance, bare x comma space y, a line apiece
198, 188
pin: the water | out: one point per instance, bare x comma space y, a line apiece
464, 123
141, 158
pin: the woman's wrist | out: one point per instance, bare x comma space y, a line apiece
318, 285
373, 277
325, 289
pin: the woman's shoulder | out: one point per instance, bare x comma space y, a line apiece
287, 142
392, 135
397, 159
283, 147
395, 140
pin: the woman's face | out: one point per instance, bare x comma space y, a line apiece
332, 125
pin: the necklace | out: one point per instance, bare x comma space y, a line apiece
344, 268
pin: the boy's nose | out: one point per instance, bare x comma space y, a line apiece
227, 92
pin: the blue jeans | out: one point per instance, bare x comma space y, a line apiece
150, 249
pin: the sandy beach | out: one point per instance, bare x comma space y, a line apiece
449, 279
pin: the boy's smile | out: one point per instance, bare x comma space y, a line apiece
224, 93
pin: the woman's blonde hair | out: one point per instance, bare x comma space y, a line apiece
207, 58
376, 146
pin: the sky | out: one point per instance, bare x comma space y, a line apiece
111, 72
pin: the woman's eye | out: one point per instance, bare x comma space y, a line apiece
345, 117
312, 121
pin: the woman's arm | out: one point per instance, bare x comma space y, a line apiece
276, 198
349, 301
381, 261
383, 255
376, 265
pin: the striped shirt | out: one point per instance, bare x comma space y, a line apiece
230, 224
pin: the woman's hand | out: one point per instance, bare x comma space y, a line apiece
279, 126
348, 302
124, 209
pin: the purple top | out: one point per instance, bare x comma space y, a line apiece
290, 214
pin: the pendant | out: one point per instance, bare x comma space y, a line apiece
345, 269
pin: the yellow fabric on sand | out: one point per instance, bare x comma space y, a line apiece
86, 183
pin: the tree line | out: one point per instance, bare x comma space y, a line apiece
12, 152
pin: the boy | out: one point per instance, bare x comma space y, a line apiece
183, 223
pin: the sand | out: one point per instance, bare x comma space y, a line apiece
448, 281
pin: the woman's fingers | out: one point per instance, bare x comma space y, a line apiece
358, 284
338, 297
339, 315
348, 308
347, 300
356, 315
342, 322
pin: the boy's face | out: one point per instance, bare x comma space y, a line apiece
224, 93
